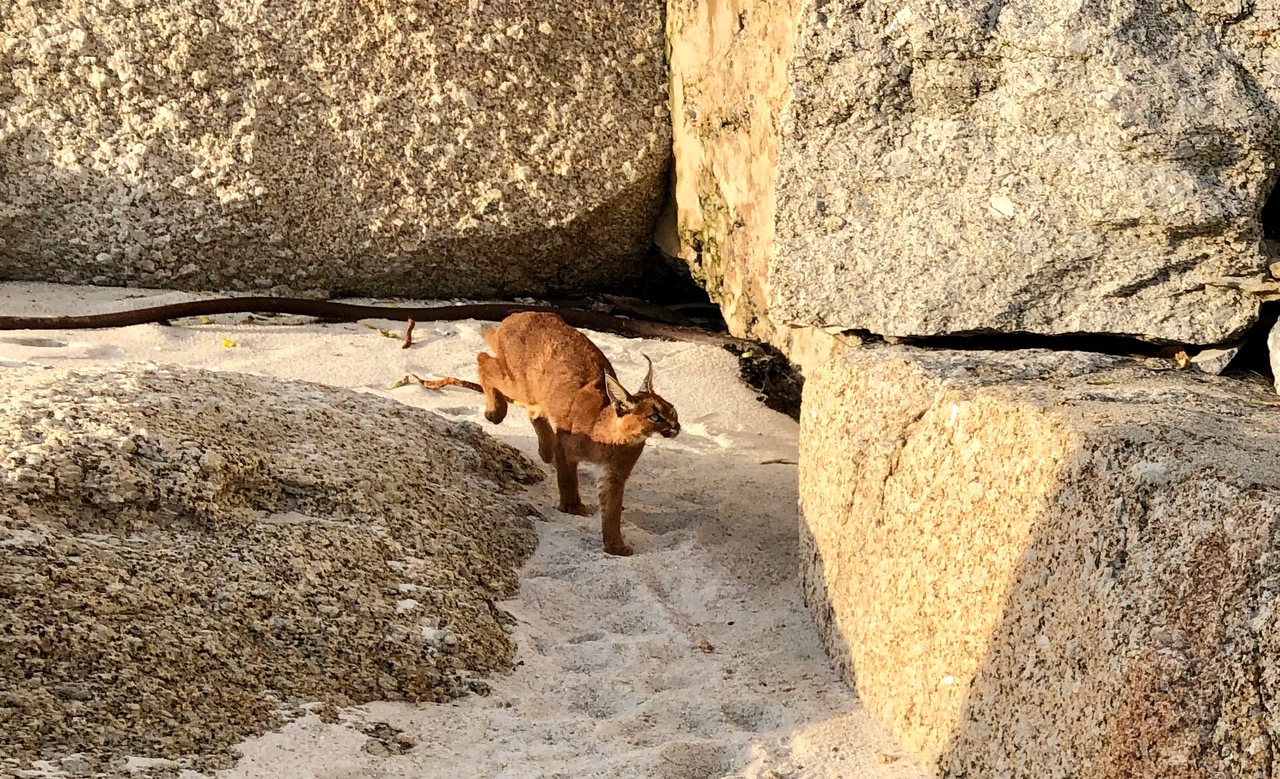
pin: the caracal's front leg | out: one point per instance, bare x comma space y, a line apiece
613, 483
567, 480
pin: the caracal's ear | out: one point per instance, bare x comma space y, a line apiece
646, 386
619, 397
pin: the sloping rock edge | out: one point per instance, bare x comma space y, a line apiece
1048, 564
188, 556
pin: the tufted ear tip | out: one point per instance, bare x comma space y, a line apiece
646, 386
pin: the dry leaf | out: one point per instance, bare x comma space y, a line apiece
227, 342
706, 646
1183, 360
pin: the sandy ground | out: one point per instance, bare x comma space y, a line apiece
694, 658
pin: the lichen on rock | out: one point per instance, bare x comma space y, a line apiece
185, 555
931, 169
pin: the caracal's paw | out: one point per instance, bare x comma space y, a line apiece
578, 508
621, 549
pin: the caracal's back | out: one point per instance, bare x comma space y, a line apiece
554, 370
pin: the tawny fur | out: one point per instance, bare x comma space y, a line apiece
578, 409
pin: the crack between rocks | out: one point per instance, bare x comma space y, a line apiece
1019, 341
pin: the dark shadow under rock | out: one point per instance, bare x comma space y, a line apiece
767, 371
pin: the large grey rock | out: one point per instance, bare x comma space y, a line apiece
920, 169
1050, 565
183, 553
464, 148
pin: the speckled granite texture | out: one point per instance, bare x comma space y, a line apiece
185, 555
1048, 564
916, 169
379, 148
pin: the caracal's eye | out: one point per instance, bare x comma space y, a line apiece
655, 417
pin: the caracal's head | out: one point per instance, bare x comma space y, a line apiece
645, 413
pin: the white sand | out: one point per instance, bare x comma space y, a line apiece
613, 681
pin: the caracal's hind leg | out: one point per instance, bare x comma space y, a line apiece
567, 480
493, 379
546, 438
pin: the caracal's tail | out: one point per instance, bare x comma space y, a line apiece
450, 381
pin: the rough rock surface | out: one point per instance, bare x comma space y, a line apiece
1048, 564
921, 169
474, 149
184, 555
728, 66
